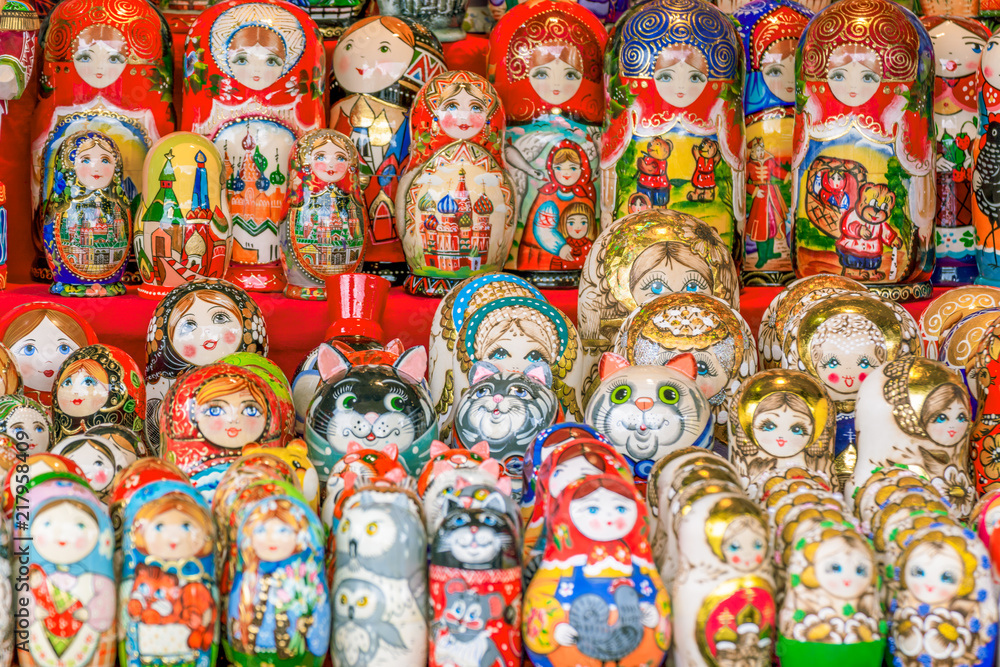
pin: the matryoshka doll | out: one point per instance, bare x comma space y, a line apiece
69, 600
183, 229
769, 31
455, 206
674, 137
863, 199
26, 423
95, 457
279, 606
41, 335
98, 384
638, 258
379, 64
10, 375
196, 324
210, 415
169, 600
87, 222
107, 69
781, 419
327, 221
986, 204
296, 455
545, 443
959, 44
597, 555
545, 60
275, 378
254, 79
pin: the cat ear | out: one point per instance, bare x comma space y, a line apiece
505, 486
441, 467
482, 448
354, 446
685, 363
480, 370
540, 373
395, 346
332, 364
495, 502
611, 363
454, 586
438, 448
396, 475
413, 363
491, 467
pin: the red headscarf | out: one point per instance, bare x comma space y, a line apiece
583, 187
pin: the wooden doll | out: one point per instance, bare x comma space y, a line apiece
169, 600
769, 31
69, 600
87, 222
863, 155
26, 423
597, 536
366, 464
254, 79
279, 605
396, 56
984, 201
210, 415
449, 469
183, 228
98, 384
540, 450
674, 138
546, 63
296, 455
197, 323
327, 222
95, 457
41, 468
11, 382
275, 378
41, 335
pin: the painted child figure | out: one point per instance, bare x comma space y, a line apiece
169, 601
279, 605
325, 229
69, 603
675, 133
87, 218
986, 199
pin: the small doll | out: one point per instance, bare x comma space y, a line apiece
95, 458
296, 455
26, 423
169, 600
545, 443
366, 464
87, 219
275, 378
451, 467
326, 224
98, 384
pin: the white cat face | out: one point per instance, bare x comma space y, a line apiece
604, 515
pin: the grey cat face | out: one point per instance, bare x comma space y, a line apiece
467, 612
507, 410
646, 411
473, 539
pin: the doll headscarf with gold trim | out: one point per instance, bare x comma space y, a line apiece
126, 402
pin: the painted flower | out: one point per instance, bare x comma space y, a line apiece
189, 62
955, 487
823, 627
989, 458
706, 241
566, 588
940, 635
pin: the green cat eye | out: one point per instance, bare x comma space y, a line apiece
396, 403
347, 401
669, 395
621, 394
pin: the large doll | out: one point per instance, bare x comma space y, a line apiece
862, 168
546, 64
254, 78
674, 138
106, 68
379, 64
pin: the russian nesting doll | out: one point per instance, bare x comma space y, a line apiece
68, 599
540, 450
96, 458
98, 384
87, 222
396, 56
210, 415
863, 161
959, 44
674, 136
279, 606
985, 205
27, 423
183, 229
41, 468
11, 382
545, 60
275, 378
769, 31
638, 258
169, 599
326, 225
449, 468
196, 324
365, 464
254, 82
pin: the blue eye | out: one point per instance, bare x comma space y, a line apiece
864, 363
691, 286
917, 571
835, 568
962, 418
489, 521
68, 382
702, 368
977, 48
798, 430
461, 521
534, 357
520, 392
592, 510
621, 509
989, 47
499, 353
832, 363
948, 578
768, 426
861, 571
214, 411
482, 391
186, 527
89, 382
941, 418
657, 287
734, 547
28, 350
252, 411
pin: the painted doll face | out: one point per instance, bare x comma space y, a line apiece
577, 226
567, 172
64, 533
933, 575
273, 540
95, 167
779, 77
667, 275
254, 64
462, 116
513, 350
329, 162
991, 61
174, 534
782, 432
679, 83
603, 515
25, 424
371, 59
100, 61
231, 421
40, 353
556, 81
745, 546
845, 364
207, 332
853, 83
712, 375
569, 471
948, 427
81, 394
842, 569
98, 468
956, 51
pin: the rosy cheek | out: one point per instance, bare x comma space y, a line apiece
736, 559
595, 524
447, 121
216, 424
229, 337
862, 376
343, 65
619, 523
80, 542
833, 378
188, 351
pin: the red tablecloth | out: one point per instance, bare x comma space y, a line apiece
295, 327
